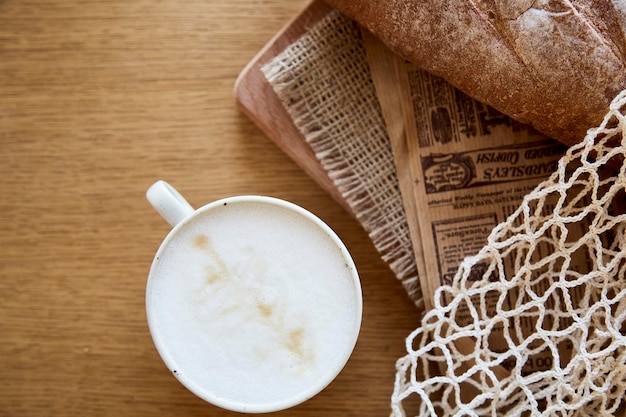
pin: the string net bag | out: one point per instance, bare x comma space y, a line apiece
534, 324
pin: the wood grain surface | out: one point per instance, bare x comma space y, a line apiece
97, 101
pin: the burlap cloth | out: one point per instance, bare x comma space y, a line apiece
323, 80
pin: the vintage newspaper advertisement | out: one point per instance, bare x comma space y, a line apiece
471, 167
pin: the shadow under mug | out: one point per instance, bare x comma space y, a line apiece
253, 303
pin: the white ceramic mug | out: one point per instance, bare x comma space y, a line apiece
253, 303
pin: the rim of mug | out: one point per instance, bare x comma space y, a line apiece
305, 395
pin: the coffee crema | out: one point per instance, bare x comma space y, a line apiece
253, 303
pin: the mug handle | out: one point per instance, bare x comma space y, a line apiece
168, 202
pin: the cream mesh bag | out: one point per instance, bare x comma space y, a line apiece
534, 324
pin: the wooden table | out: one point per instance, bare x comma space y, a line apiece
97, 101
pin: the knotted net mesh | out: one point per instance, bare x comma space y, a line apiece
535, 323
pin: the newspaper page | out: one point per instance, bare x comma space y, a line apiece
472, 167
463, 167
467, 168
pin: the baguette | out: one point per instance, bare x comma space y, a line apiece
555, 65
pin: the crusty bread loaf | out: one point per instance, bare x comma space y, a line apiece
555, 64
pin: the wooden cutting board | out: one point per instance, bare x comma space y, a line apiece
258, 101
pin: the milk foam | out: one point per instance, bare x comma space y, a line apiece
253, 303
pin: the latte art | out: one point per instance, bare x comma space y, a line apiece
247, 297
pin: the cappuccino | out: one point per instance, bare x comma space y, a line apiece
254, 304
